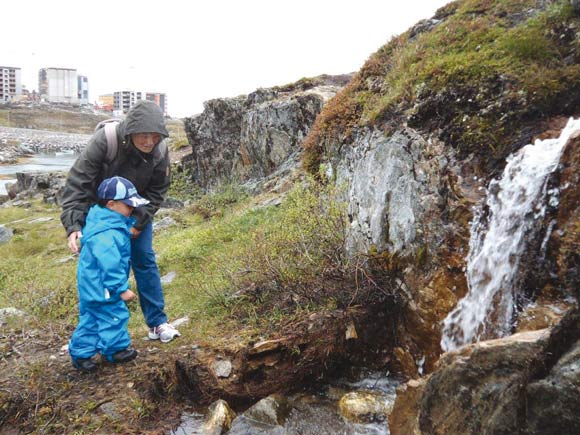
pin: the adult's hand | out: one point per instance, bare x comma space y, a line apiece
135, 232
72, 241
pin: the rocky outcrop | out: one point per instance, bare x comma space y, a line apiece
46, 184
528, 383
250, 137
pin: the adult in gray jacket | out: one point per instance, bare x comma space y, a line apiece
141, 159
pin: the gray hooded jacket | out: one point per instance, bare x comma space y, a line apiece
149, 172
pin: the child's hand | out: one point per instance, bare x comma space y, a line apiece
128, 296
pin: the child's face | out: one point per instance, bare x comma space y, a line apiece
120, 207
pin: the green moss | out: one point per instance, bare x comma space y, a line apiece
475, 76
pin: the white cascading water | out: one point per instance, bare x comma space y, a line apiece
515, 203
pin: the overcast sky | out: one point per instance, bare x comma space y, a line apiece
198, 50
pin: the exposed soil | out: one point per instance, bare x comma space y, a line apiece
41, 391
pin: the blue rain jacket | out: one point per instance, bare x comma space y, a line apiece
103, 268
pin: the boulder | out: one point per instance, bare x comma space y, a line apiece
219, 419
272, 410
364, 406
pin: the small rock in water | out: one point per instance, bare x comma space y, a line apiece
220, 418
364, 407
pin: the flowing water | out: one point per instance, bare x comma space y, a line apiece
514, 204
53, 162
312, 414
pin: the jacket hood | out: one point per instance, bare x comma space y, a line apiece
145, 117
102, 219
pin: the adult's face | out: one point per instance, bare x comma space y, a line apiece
145, 142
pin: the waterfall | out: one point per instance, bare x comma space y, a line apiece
513, 206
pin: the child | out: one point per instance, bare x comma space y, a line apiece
102, 275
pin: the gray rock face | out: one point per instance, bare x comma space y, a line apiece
48, 184
553, 402
250, 137
390, 192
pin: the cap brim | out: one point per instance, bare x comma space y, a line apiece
135, 201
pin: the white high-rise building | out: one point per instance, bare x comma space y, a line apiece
10, 84
83, 86
58, 85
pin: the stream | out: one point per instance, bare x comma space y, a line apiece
50, 162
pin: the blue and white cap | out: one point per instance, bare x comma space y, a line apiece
120, 189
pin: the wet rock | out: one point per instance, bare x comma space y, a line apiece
553, 403
222, 368
220, 418
272, 410
403, 419
476, 388
405, 362
5, 234
364, 407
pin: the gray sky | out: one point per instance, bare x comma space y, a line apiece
198, 50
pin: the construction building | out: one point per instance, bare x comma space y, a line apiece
58, 85
10, 84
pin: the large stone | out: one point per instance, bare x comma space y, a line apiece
553, 403
219, 419
364, 406
272, 410
403, 420
476, 388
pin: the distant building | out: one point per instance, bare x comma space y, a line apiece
83, 90
107, 102
124, 100
58, 85
10, 84
159, 99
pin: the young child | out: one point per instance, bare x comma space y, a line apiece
102, 277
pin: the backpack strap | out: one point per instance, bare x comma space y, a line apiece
112, 144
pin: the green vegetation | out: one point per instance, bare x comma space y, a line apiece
486, 69
236, 263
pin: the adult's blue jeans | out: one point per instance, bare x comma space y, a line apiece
147, 277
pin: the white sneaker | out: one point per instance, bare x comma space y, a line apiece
164, 332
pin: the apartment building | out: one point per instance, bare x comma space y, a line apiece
124, 100
59, 85
10, 84
83, 90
